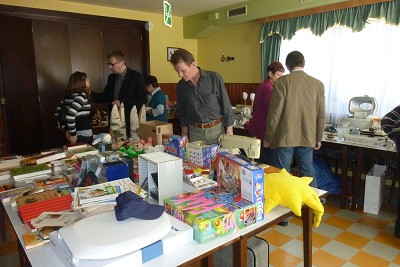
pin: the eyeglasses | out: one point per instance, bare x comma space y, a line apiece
113, 64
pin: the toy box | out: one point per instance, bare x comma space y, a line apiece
201, 154
212, 212
174, 145
154, 129
241, 177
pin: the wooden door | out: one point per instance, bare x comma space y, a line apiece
130, 41
3, 130
19, 83
86, 53
53, 67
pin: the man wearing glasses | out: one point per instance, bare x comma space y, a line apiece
124, 85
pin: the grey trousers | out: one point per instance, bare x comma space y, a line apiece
208, 135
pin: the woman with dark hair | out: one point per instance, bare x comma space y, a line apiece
77, 107
257, 124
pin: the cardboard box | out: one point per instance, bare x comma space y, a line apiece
155, 130
201, 154
374, 182
243, 178
174, 145
212, 212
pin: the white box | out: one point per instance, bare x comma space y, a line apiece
374, 182
169, 169
200, 153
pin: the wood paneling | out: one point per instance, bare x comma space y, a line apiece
20, 85
234, 90
53, 65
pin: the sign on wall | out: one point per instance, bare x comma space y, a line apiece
167, 14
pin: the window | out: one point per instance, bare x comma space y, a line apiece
352, 64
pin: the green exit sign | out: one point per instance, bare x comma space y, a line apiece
167, 14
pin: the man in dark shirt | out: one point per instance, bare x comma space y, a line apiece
203, 103
124, 85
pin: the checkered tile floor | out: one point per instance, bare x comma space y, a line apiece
344, 238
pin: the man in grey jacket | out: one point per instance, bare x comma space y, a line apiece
296, 117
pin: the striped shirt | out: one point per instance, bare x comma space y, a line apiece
78, 114
391, 123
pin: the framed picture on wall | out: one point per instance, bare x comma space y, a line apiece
170, 51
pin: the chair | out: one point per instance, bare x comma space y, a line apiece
335, 157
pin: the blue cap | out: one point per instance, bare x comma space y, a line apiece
131, 205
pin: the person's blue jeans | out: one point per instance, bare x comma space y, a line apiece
267, 156
304, 159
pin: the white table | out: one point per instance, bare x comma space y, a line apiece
362, 150
189, 253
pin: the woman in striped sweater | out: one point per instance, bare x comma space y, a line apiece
78, 118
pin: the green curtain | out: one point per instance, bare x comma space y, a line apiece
270, 50
354, 18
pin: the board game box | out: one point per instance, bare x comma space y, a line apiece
212, 212
241, 177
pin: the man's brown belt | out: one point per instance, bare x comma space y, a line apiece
206, 124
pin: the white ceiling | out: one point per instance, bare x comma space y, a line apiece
180, 8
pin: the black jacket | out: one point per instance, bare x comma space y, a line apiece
132, 92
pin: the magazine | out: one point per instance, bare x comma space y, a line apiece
97, 194
55, 219
124, 184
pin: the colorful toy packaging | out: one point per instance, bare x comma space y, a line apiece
201, 154
212, 212
238, 176
174, 145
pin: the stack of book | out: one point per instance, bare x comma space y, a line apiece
31, 172
11, 192
97, 194
43, 157
10, 162
81, 151
90, 208
5, 176
32, 210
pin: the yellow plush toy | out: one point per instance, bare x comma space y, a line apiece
286, 190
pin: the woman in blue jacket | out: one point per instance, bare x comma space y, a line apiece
156, 108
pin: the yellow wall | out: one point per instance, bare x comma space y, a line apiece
160, 35
240, 41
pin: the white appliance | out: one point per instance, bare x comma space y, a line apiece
102, 237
